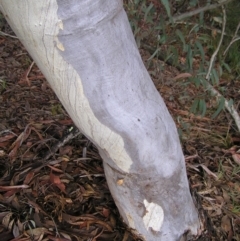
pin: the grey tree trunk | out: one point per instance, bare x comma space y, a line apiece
87, 52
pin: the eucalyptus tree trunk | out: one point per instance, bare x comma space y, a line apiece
87, 52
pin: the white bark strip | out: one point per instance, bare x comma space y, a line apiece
87, 52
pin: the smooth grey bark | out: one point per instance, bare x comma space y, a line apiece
88, 54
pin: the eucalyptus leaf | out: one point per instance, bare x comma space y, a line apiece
175, 55
230, 103
227, 67
200, 47
147, 12
220, 107
167, 7
215, 76
180, 35
190, 57
154, 54
195, 28
201, 18
194, 106
202, 107
196, 81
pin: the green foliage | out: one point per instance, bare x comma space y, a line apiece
2, 85
220, 107
56, 109
167, 7
199, 107
233, 59
193, 38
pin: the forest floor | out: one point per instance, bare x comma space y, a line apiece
53, 189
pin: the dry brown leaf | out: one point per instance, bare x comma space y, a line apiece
38, 231
54, 238
7, 137
6, 219
15, 203
103, 224
106, 212
208, 171
36, 207
6, 199
66, 150
10, 225
226, 196
15, 231
55, 169
3, 145
29, 177
2, 215
56, 180
97, 235
66, 236
236, 158
20, 226
65, 122
226, 223
113, 220
70, 219
35, 130
21, 138
182, 76
126, 235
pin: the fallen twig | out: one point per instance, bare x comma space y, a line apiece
7, 188
74, 132
8, 35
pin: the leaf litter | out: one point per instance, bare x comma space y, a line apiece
52, 183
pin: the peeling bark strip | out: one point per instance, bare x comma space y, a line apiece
88, 54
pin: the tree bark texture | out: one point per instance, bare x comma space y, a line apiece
87, 52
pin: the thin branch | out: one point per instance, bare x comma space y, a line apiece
199, 10
236, 32
218, 47
74, 132
230, 44
229, 107
219, 31
234, 39
7, 35
27, 73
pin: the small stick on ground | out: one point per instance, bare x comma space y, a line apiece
74, 132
